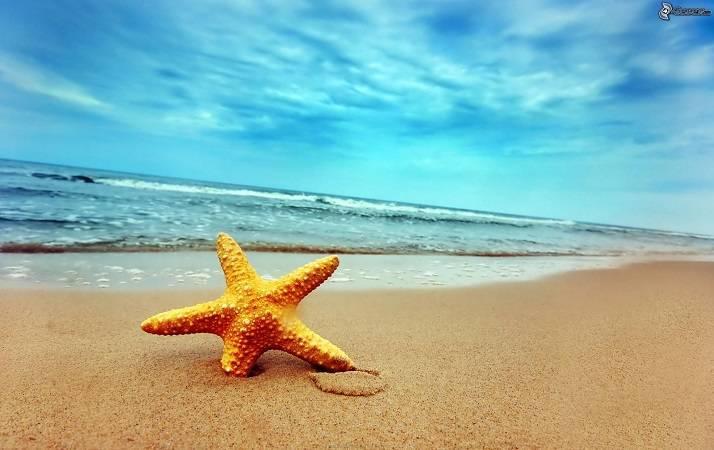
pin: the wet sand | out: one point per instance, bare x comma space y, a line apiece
599, 358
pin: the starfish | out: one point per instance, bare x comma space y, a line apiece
255, 315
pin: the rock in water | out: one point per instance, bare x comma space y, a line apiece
83, 178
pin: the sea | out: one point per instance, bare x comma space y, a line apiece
48, 208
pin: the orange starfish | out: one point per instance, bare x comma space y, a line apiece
255, 315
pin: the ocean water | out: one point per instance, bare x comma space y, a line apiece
49, 208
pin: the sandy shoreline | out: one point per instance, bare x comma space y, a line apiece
602, 358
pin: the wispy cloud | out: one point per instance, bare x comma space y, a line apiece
36, 81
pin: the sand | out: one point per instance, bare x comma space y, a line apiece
600, 359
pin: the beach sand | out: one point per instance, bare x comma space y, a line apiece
606, 358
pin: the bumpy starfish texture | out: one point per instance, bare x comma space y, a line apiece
255, 315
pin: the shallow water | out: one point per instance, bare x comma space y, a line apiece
199, 270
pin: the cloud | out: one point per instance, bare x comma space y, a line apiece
36, 81
346, 68
674, 65
256, 68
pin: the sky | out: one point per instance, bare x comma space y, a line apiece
595, 111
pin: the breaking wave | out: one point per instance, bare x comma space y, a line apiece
193, 189
360, 206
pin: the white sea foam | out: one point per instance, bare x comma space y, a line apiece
340, 279
203, 276
193, 189
619, 229
440, 213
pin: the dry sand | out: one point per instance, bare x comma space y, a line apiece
605, 358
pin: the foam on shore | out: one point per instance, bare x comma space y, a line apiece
190, 270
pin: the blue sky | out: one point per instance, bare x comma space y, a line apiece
595, 111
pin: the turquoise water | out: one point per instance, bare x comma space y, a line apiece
47, 208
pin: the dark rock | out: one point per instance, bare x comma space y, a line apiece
83, 178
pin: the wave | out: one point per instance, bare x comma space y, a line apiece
614, 229
436, 213
363, 207
21, 191
34, 192
193, 189
9, 170
37, 220
206, 245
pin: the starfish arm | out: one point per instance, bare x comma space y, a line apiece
241, 351
236, 361
234, 263
294, 286
209, 317
304, 343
